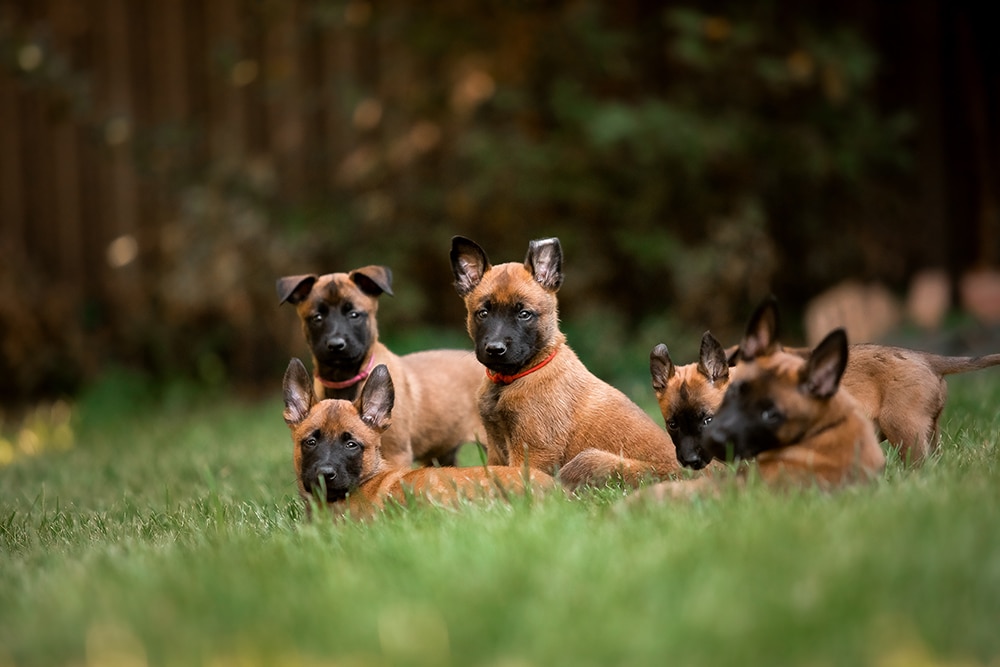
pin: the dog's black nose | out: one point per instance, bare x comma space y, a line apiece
694, 461
496, 349
336, 344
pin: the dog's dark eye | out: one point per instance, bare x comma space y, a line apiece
354, 314
352, 445
317, 318
482, 313
309, 443
706, 420
525, 315
672, 424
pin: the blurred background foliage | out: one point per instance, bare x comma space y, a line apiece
691, 156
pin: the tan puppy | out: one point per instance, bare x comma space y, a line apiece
902, 391
436, 408
539, 403
789, 416
338, 456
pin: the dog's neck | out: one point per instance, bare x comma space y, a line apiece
350, 382
501, 379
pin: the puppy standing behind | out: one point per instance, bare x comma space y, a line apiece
540, 404
903, 391
337, 448
436, 408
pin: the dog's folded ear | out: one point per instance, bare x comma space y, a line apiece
821, 375
373, 280
294, 289
661, 367
712, 360
544, 261
761, 338
298, 389
468, 262
377, 399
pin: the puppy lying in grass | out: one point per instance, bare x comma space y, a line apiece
788, 415
338, 459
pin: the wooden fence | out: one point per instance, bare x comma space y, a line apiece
104, 102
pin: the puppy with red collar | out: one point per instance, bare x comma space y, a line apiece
542, 406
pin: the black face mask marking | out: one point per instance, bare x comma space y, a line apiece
685, 427
334, 463
339, 335
746, 423
507, 336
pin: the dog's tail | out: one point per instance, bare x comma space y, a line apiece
952, 365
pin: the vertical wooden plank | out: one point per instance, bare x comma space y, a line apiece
195, 79
12, 211
229, 70
339, 85
117, 99
169, 111
167, 49
36, 157
286, 130
65, 173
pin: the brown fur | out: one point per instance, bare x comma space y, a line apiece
902, 391
436, 390
559, 417
823, 439
380, 481
844, 448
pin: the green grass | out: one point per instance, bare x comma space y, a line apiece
169, 533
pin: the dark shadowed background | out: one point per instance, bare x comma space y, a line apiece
162, 162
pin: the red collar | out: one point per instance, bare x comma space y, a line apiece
500, 378
330, 384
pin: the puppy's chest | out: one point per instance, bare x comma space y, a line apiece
526, 408
497, 409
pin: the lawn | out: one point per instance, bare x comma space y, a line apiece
161, 526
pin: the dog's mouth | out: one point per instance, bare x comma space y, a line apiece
326, 486
339, 362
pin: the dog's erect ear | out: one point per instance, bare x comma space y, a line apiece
298, 386
821, 375
544, 261
376, 399
373, 280
294, 289
761, 338
469, 264
661, 367
712, 360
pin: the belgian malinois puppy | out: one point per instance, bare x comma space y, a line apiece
539, 403
903, 391
338, 459
436, 409
689, 396
788, 417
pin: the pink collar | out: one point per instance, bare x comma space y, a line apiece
500, 378
330, 384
